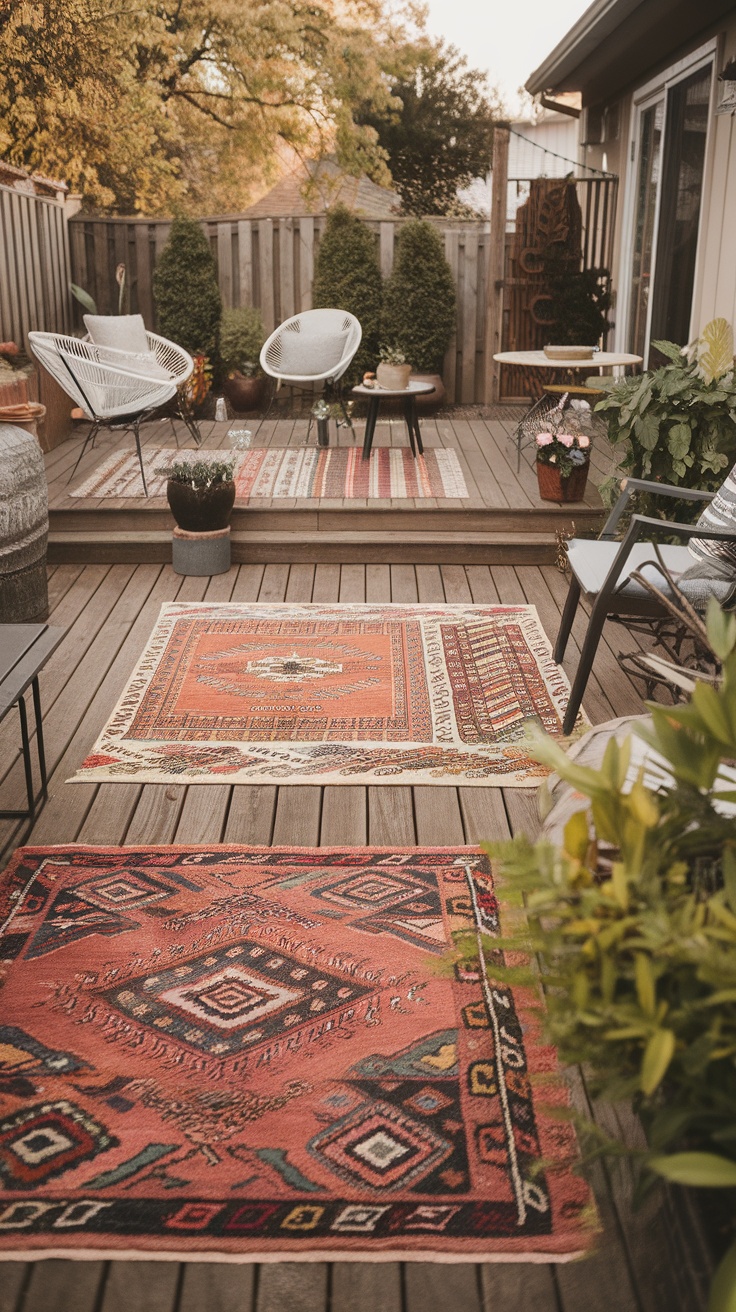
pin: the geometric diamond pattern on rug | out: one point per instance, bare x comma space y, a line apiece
335, 694
46, 1140
380, 1146
234, 998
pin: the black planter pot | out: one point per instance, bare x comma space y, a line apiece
201, 509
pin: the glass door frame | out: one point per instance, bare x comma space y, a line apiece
644, 98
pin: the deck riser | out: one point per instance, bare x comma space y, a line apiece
548, 520
313, 553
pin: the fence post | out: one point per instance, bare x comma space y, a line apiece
496, 262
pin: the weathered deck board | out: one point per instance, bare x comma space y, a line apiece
111, 611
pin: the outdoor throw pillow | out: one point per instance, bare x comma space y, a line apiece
720, 513
305, 356
123, 332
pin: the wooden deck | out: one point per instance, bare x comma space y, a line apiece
646, 1262
502, 520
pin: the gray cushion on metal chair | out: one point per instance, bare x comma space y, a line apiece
591, 561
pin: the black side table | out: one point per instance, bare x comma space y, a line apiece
407, 395
24, 650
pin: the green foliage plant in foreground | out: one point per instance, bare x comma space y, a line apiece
241, 338
633, 924
347, 276
676, 424
185, 289
419, 298
200, 473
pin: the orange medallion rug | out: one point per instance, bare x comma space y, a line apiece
261, 1053
334, 694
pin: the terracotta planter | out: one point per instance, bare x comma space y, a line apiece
394, 377
201, 510
244, 393
430, 401
554, 488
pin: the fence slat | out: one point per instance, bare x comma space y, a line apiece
306, 262
386, 247
225, 261
265, 257
245, 261
449, 370
469, 315
286, 267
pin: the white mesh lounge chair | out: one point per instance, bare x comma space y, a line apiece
116, 389
312, 350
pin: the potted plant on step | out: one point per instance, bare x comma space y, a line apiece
241, 339
393, 371
201, 496
562, 461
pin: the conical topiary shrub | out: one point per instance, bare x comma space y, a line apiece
347, 276
188, 301
419, 298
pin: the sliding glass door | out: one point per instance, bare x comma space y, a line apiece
670, 143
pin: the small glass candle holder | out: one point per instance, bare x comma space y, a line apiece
240, 438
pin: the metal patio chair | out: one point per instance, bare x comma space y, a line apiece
312, 351
601, 569
116, 389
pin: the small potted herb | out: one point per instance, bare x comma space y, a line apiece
393, 372
562, 461
241, 339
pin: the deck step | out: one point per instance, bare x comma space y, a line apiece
396, 547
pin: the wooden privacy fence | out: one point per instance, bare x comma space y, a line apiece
270, 263
35, 269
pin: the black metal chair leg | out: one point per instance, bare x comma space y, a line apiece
92, 434
136, 431
587, 656
27, 757
39, 738
568, 616
346, 416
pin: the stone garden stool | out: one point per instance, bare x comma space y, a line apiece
24, 527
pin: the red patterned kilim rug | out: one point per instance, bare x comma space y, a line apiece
338, 694
254, 1053
292, 472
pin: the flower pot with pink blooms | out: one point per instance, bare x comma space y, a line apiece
562, 461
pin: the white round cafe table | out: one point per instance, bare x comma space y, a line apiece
538, 360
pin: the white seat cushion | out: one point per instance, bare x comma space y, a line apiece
303, 355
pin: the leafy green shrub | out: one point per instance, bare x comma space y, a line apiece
347, 276
676, 424
188, 302
634, 922
419, 298
241, 338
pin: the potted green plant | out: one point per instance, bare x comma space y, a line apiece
241, 339
631, 913
392, 372
201, 496
419, 303
562, 462
677, 424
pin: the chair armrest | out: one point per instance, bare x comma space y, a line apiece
685, 531
631, 485
668, 490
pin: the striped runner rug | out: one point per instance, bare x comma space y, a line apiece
281, 472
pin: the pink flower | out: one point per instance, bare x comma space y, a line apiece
566, 439
544, 439
583, 441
